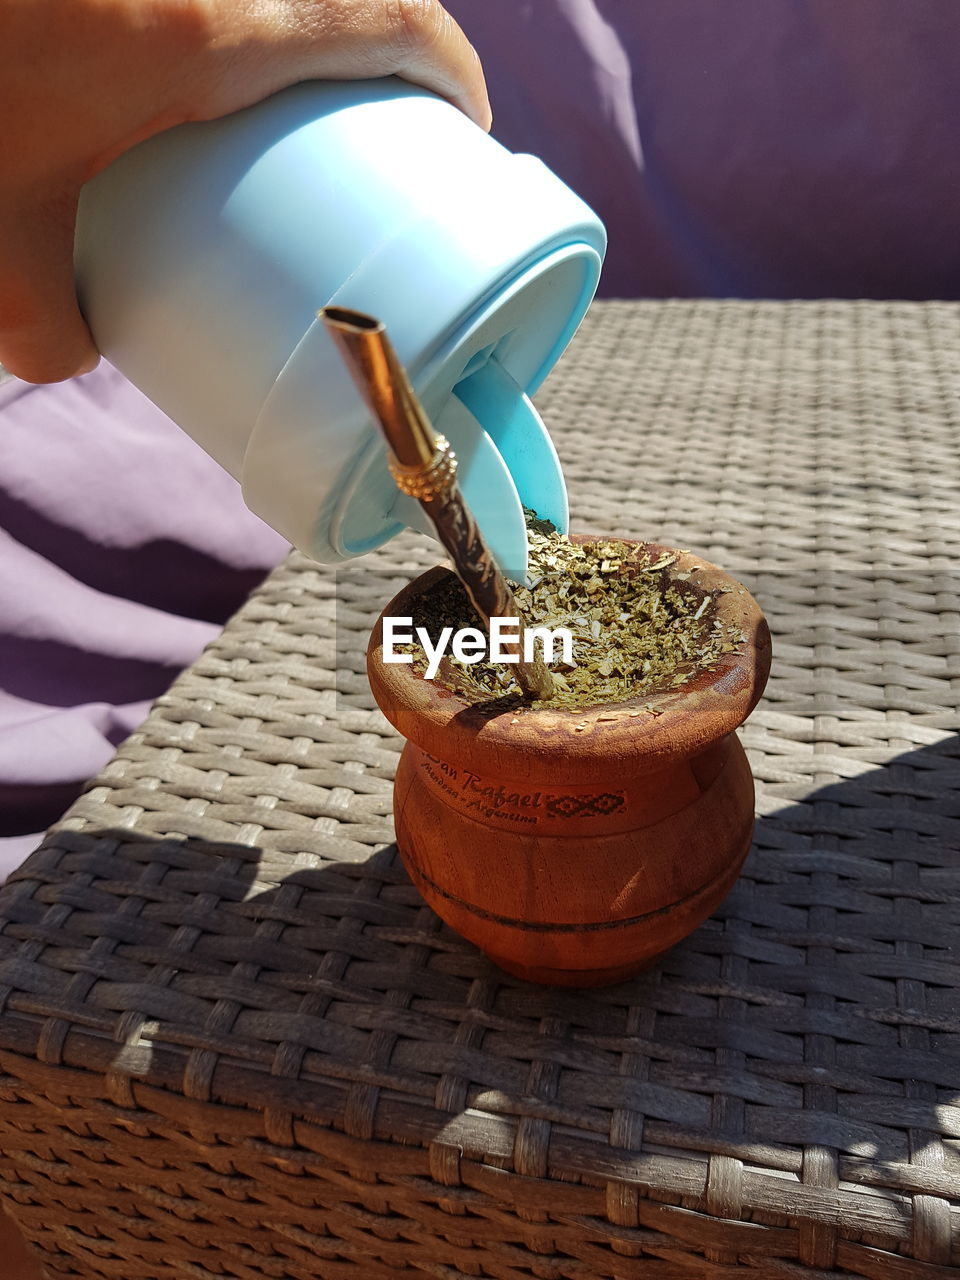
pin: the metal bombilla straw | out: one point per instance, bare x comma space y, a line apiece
425, 467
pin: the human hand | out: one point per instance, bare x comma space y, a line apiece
82, 81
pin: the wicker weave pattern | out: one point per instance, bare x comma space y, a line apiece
233, 1041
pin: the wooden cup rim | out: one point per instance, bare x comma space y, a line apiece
532, 741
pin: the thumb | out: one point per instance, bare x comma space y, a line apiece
43, 337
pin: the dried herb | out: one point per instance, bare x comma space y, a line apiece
637, 629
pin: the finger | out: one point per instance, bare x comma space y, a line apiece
43, 337
435, 53
345, 40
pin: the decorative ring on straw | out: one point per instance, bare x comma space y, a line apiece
426, 485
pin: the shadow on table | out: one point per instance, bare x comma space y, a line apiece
831, 961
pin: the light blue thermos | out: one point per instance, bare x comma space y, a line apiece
204, 254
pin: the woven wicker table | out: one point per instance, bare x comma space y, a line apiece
234, 1043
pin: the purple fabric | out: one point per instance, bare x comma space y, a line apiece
122, 549
779, 148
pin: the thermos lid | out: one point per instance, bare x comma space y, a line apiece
204, 254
